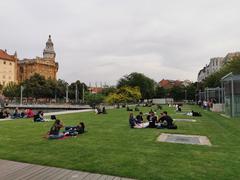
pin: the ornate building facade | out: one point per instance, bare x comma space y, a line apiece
8, 67
45, 66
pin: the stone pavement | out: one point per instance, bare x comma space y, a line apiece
184, 139
10, 170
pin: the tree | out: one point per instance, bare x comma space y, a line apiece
61, 88
191, 91
124, 94
146, 85
11, 90
177, 92
79, 86
107, 90
94, 99
161, 92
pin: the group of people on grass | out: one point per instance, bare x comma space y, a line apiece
55, 132
164, 121
99, 110
207, 104
16, 114
178, 108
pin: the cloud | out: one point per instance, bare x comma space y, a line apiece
102, 40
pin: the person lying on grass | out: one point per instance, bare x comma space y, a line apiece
55, 130
134, 124
98, 110
193, 113
39, 117
74, 130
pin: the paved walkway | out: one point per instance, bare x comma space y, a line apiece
55, 113
10, 170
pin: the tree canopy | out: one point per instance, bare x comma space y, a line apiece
124, 94
146, 84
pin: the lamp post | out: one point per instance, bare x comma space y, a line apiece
76, 93
185, 94
22, 88
83, 93
66, 93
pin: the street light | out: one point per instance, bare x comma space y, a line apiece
185, 94
76, 93
22, 88
66, 93
83, 93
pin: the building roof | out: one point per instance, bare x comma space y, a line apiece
4, 55
166, 83
95, 90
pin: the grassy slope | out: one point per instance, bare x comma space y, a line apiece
111, 147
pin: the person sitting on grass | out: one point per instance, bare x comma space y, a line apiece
55, 130
29, 113
128, 109
133, 123
104, 110
74, 130
136, 109
166, 121
39, 117
16, 114
178, 108
139, 118
152, 120
3, 114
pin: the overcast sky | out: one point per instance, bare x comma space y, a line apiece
102, 40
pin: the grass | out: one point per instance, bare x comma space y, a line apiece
111, 147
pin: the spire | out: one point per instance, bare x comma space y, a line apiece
15, 54
49, 52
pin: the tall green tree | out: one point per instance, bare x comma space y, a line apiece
108, 90
191, 91
11, 90
177, 92
79, 87
146, 84
61, 88
124, 94
161, 92
94, 99
35, 86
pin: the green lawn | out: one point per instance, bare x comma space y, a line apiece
111, 147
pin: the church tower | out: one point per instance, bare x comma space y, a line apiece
49, 52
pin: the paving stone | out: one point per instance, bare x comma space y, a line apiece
184, 139
184, 120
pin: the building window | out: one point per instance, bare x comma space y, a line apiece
10, 63
4, 62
